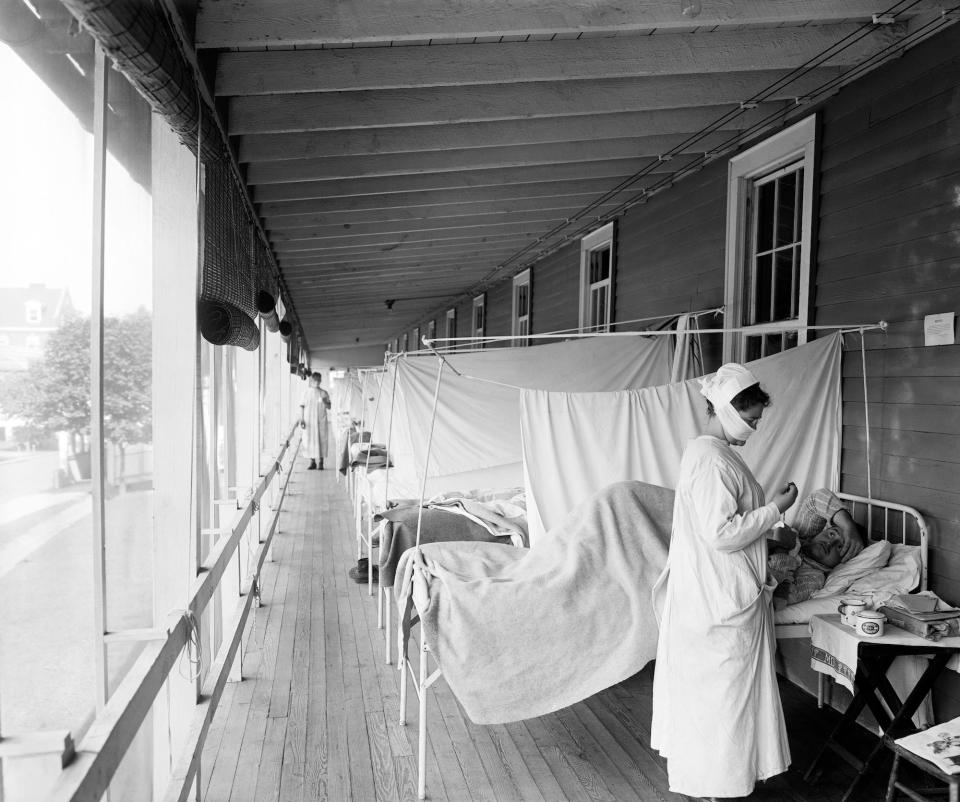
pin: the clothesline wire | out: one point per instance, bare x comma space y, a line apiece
843, 328
566, 333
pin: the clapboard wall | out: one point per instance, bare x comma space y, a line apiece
888, 248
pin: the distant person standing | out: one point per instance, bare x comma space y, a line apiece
313, 417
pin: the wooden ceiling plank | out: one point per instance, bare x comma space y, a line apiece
414, 139
437, 225
467, 181
432, 216
417, 202
392, 242
259, 23
293, 71
348, 167
300, 266
347, 110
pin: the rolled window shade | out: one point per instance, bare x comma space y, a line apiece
227, 310
267, 307
286, 330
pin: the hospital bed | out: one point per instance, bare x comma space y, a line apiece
441, 521
888, 521
884, 521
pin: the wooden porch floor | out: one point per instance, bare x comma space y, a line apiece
315, 717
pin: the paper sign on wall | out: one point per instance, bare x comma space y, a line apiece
938, 329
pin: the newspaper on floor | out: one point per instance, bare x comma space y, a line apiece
940, 745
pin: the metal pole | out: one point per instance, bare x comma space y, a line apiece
96, 376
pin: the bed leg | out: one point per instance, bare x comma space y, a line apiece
402, 665
370, 551
386, 625
821, 682
422, 740
379, 604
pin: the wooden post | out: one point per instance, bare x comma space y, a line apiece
175, 344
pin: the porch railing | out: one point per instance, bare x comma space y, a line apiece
89, 769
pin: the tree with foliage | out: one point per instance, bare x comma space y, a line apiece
54, 394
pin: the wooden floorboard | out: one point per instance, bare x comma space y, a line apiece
317, 713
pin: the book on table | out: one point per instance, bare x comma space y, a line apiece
932, 625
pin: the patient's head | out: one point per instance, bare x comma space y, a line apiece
826, 548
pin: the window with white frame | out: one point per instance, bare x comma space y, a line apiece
522, 302
769, 240
416, 338
431, 329
480, 317
596, 279
451, 324
403, 342
34, 311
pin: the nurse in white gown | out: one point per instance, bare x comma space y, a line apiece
717, 716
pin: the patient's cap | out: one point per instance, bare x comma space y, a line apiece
726, 383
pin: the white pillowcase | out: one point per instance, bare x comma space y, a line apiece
845, 574
901, 574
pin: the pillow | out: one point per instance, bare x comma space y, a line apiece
901, 574
867, 561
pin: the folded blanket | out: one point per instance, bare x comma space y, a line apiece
500, 518
398, 532
523, 632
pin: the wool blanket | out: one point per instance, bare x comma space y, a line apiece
519, 633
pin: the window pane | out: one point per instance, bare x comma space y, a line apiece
46, 559
784, 287
762, 290
752, 348
766, 198
128, 364
787, 231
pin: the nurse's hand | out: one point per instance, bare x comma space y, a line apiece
785, 498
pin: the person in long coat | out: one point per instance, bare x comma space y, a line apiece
313, 419
717, 716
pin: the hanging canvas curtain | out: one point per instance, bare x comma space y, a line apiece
576, 443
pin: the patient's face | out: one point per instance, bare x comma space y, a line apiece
827, 547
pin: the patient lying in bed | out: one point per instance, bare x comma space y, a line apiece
800, 559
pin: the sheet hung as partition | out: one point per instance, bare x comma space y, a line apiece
476, 439
575, 443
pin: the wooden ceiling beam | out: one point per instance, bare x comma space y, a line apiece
453, 250
462, 104
435, 226
262, 23
561, 207
348, 167
468, 181
372, 68
359, 225
423, 239
313, 266
484, 198
498, 133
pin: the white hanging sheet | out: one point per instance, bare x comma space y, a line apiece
575, 443
476, 438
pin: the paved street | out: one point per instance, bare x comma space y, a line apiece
46, 591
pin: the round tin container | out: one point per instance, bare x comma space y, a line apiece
870, 623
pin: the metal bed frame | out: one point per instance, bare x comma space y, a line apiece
879, 517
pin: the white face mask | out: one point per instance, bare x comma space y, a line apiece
735, 426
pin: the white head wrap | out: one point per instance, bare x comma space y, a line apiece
723, 386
